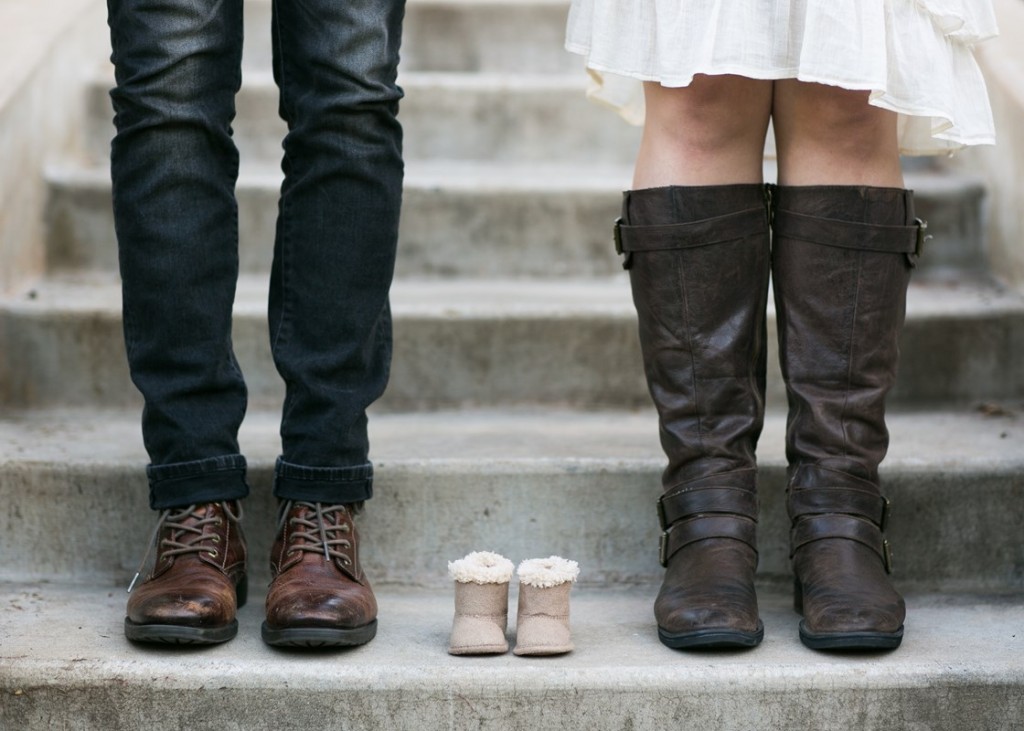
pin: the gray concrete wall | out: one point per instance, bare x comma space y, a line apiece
50, 47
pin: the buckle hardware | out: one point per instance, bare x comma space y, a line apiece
628, 259
663, 550
662, 518
922, 238
886, 506
887, 556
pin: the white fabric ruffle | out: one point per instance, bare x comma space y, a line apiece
914, 56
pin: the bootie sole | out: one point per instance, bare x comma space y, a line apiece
711, 639
313, 637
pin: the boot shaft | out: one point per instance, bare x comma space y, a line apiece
841, 263
698, 261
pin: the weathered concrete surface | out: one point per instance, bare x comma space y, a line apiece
485, 219
487, 116
519, 482
64, 663
458, 219
491, 342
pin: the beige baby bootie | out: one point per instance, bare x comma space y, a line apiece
481, 604
542, 627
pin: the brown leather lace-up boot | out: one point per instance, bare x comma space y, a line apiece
319, 596
841, 265
698, 259
197, 582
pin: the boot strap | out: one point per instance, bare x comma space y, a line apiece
843, 500
690, 531
708, 231
887, 239
675, 506
820, 527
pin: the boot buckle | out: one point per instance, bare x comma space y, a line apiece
618, 245
663, 550
886, 506
887, 556
662, 518
920, 241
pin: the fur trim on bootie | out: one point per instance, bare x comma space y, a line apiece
546, 572
481, 567
481, 604
542, 627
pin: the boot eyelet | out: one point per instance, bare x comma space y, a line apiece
215, 539
212, 554
346, 560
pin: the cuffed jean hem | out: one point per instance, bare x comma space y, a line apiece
330, 485
203, 481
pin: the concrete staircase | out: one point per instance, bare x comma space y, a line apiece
517, 421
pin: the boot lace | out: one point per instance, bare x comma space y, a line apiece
181, 524
320, 529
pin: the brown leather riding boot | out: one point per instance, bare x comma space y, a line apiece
842, 257
698, 259
198, 580
320, 596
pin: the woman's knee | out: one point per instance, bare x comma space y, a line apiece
825, 134
712, 114
809, 114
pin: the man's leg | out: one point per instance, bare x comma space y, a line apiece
330, 323
174, 165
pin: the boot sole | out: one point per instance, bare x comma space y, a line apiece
851, 641
711, 639
313, 637
176, 634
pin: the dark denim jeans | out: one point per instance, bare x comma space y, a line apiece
174, 167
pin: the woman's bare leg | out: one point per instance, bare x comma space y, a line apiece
826, 135
709, 133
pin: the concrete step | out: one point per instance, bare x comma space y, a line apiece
491, 342
516, 36
521, 482
476, 219
959, 668
451, 116
485, 219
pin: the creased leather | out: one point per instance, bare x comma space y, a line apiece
310, 590
841, 305
701, 312
196, 589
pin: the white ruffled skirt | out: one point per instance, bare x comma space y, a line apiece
914, 56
